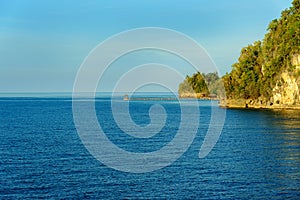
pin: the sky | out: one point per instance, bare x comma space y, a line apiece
44, 43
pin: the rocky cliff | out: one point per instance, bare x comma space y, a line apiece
267, 74
286, 91
285, 94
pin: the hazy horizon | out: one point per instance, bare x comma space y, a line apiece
43, 44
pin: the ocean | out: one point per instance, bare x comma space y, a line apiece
42, 155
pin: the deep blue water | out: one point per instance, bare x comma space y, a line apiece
42, 156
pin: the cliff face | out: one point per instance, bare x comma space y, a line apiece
296, 61
267, 74
286, 91
285, 94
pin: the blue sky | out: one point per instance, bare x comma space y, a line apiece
43, 43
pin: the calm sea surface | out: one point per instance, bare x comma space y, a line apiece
42, 156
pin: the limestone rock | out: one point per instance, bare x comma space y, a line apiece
286, 91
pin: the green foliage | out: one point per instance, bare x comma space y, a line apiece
193, 84
260, 64
245, 79
209, 83
214, 83
185, 87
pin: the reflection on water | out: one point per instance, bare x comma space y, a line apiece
41, 155
264, 146
289, 119
284, 126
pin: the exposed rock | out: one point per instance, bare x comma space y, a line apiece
296, 61
263, 69
198, 95
286, 91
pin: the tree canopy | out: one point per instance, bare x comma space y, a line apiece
202, 83
260, 64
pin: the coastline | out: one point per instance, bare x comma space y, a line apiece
250, 104
202, 96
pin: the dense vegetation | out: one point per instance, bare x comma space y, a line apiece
202, 83
260, 64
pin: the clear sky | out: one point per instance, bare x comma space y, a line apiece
43, 43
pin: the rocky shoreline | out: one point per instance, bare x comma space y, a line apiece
203, 96
255, 104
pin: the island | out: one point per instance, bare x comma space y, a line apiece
267, 74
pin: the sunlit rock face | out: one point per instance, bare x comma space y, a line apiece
286, 90
296, 61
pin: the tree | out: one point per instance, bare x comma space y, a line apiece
259, 66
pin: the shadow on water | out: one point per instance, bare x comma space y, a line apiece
284, 147
286, 125
261, 149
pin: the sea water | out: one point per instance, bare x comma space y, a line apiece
41, 154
